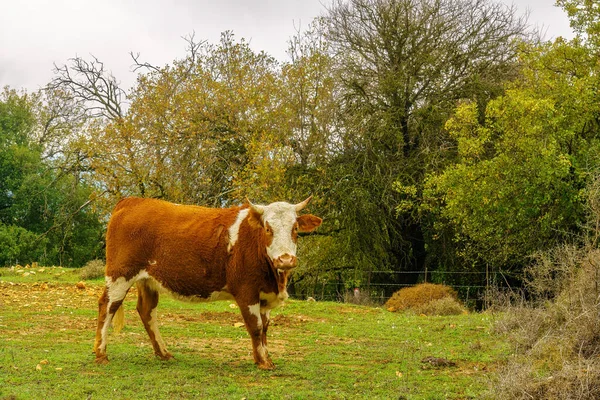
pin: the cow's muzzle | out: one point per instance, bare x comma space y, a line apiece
285, 262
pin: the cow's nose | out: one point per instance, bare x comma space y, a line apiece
286, 261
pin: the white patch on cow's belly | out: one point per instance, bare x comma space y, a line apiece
272, 300
234, 229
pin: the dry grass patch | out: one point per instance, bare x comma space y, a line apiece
557, 342
426, 298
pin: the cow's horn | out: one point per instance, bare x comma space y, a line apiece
257, 208
301, 206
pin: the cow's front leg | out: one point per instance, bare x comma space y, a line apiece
256, 329
265, 324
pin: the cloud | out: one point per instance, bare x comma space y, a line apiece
35, 34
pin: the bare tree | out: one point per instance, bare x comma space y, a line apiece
403, 55
95, 90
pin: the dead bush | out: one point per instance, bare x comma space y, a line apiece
426, 298
93, 270
556, 337
522, 379
443, 306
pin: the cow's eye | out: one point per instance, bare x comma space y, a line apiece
268, 230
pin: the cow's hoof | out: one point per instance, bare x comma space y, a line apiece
102, 360
267, 365
167, 356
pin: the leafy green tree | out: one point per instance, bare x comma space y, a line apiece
18, 156
585, 19
519, 185
41, 217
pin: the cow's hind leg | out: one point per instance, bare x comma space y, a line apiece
108, 304
146, 307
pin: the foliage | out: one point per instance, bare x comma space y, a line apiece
517, 186
401, 66
195, 130
556, 331
434, 135
18, 245
585, 19
41, 196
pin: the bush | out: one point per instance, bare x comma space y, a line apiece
443, 306
556, 337
93, 270
18, 245
426, 298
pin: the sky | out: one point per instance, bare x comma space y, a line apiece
36, 34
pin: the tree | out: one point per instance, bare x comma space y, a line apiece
519, 185
43, 215
584, 16
194, 131
402, 66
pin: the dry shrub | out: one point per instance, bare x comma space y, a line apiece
557, 337
426, 298
443, 306
522, 380
92, 270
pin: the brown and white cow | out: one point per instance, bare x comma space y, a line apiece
197, 253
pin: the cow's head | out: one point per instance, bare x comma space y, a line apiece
281, 224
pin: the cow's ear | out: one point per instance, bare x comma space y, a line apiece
255, 219
308, 222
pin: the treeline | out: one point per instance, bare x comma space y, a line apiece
437, 134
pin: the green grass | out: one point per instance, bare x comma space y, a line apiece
322, 350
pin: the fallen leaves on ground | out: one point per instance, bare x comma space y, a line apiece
47, 297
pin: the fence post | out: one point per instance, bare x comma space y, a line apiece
487, 285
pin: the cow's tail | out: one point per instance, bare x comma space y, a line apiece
118, 320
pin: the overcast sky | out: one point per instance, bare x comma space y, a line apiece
34, 34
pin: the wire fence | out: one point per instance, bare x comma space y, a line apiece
379, 286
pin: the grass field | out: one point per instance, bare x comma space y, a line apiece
322, 350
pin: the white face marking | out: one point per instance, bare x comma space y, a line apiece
281, 217
235, 228
255, 310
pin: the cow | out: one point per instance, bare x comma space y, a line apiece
242, 253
